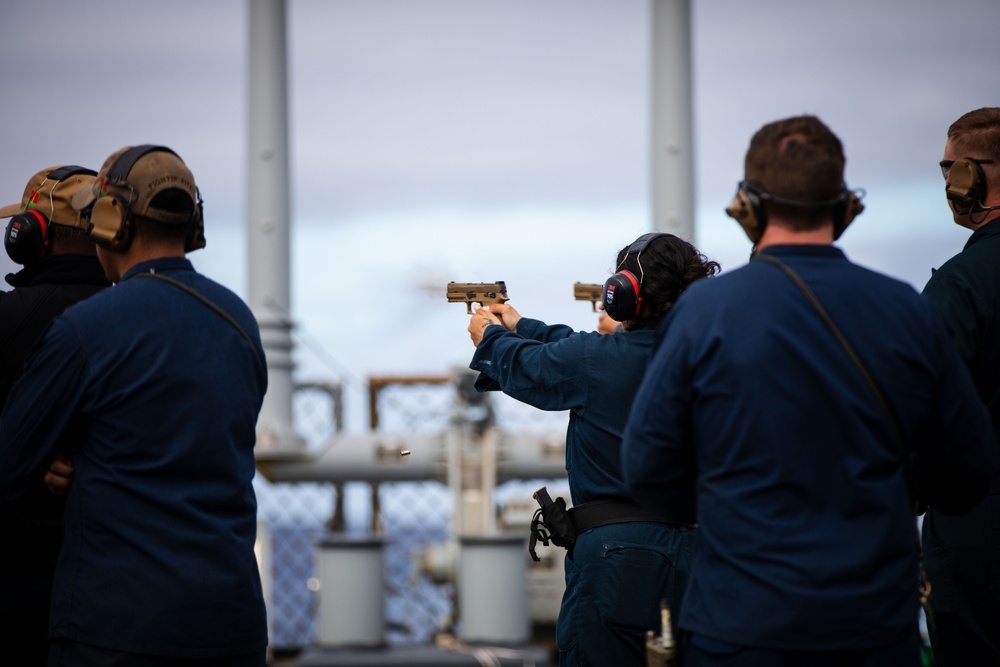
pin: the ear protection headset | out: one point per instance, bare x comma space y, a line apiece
965, 182
111, 218
747, 208
27, 236
622, 295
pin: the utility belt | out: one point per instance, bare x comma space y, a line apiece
614, 510
554, 523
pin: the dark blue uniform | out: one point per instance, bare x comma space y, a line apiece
42, 290
161, 516
962, 553
616, 575
807, 542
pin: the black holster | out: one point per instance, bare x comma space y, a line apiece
551, 523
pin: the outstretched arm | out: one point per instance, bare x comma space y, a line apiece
549, 376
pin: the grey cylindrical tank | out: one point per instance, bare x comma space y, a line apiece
492, 590
352, 591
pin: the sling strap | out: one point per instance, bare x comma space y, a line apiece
916, 506
205, 300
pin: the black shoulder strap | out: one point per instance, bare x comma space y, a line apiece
924, 584
855, 359
198, 295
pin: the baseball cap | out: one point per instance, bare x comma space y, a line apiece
50, 192
136, 174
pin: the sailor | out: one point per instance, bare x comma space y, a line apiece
624, 561
808, 396
152, 389
59, 267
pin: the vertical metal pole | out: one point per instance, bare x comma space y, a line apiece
269, 220
672, 130
489, 446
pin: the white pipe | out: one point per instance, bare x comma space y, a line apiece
672, 128
269, 221
377, 457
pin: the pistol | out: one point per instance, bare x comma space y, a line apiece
591, 292
482, 293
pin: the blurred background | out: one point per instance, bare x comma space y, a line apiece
442, 140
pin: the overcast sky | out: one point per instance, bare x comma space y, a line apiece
436, 140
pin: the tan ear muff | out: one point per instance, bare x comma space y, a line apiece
196, 234
196, 237
110, 225
965, 183
845, 213
744, 209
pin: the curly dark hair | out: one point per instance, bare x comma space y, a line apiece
666, 266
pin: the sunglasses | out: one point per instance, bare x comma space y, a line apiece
946, 165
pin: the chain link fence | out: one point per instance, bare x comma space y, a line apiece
411, 516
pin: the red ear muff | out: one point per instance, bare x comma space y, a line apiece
27, 237
621, 296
